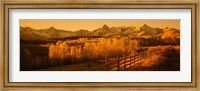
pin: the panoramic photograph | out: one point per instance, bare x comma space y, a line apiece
99, 45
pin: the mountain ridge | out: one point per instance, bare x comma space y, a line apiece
28, 33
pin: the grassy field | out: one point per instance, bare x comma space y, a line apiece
161, 58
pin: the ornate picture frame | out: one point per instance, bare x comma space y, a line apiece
112, 86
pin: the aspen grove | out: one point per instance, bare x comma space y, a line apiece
84, 49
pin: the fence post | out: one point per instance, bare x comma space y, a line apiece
124, 62
118, 63
130, 60
138, 56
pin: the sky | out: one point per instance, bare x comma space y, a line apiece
74, 25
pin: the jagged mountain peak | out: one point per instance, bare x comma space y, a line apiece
146, 26
105, 26
26, 33
52, 28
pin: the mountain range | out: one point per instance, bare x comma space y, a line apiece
28, 33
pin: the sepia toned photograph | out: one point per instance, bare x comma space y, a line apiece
99, 45
95, 45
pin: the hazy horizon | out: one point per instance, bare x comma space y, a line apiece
74, 25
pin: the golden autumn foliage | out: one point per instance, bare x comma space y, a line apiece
85, 49
58, 52
160, 58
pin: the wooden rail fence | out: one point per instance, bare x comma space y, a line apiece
120, 63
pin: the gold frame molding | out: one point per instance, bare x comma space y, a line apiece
37, 4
